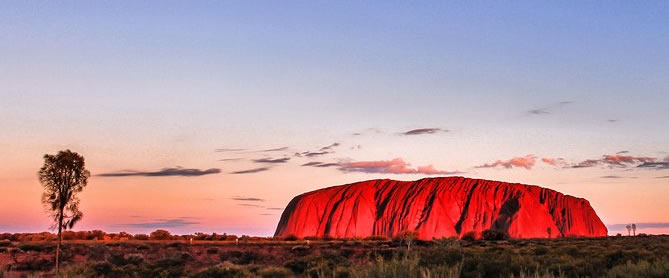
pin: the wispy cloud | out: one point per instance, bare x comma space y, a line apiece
617, 160
394, 166
178, 171
274, 208
229, 159
526, 162
321, 151
274, 149
242, 151
251, 205
228, 150
372, 130
420, 131
321, 164
662, 177
162, 223
549, 108
622, 152
272, 160
330, 147
654, 165
616, 177
247, 199
251, 171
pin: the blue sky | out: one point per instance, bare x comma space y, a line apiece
159, 84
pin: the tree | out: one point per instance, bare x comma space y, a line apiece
629, 228
408, 237
63, 176
160, 235
634, 229
549, 231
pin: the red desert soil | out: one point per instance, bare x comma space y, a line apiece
436, 208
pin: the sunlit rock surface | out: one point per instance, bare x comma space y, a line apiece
436, 208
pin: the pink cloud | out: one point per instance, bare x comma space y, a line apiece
395, 166
553, 161
616, 159
526, 162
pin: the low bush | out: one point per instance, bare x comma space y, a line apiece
494, 235
469, 236
291, 237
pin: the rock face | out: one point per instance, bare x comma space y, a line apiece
438, 207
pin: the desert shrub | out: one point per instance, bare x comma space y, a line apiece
494, 235
540, 250
5, 243
404, 267
119, 259
385, 253
297, 266
69, 235
177, 245
290, 237
212, 250
300, 250
37, 247
377, 238
96, 234
34, 264
442, 256
469, 236
160, 235
223, 272
641, 269
249, 257
230, 255
97, 252
171, 266
143, 247
275, 272
140, 237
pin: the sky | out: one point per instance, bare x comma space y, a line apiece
209, 116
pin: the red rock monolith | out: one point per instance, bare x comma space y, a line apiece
436, 208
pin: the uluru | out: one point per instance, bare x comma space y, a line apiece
436, 208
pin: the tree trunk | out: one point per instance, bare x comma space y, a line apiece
60, 238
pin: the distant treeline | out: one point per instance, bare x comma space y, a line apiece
101, 235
